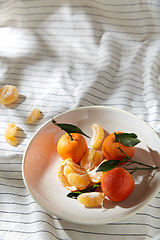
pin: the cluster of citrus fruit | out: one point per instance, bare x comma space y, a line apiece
9, 94
78, 170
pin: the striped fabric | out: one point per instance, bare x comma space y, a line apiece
62, 55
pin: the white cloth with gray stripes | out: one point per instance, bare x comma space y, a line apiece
62, 55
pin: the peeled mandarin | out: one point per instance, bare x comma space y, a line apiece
91, 199
78, 181
33, 116
91, 159
98, 136
94, 176
72, 176
8, 94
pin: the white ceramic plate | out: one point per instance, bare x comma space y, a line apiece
41, 161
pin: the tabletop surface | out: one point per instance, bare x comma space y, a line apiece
62, 55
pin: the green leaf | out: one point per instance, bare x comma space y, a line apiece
73, 194
89, 189
69, 128
108, 165
127, 139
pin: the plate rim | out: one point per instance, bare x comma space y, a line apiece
141, 206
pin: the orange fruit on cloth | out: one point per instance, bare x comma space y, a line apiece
117, 184
74, 149
110, 149
8, 94
91, 199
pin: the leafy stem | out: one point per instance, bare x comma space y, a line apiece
147, 167
69, 128
127, 139
110, 164
88, 189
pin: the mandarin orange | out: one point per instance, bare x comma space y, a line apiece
110, 148
72, 148
117, 184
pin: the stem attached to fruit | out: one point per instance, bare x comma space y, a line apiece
147, 167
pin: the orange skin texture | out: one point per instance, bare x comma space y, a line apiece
117, 184
74, 149
110, 149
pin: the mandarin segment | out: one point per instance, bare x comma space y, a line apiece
98, 135
11, 130
78, 181
9, 134
34, 115
91, 159
11, 141
8, 94
91, 199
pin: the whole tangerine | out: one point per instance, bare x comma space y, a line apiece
111, 151
117, 184
72, 148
